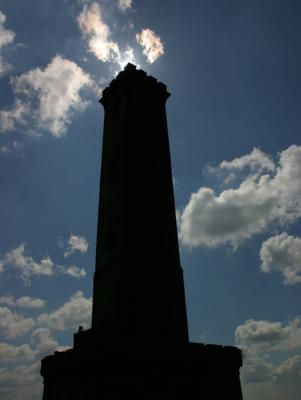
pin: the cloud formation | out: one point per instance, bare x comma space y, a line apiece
76, 243
97, 32
22, 302
13, 353
269, 336
74, 272
77, 311
56, 90
260, 340
282, 253
15, 115
151, 43
21, 383
6, 37
13, 325
289, 371
43, 343
262, 198
124, 4
26, 266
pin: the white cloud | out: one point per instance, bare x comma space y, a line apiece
9, 352
13, 325
256, 369
124, 4
74, 272
22, 302
17, 114
6, 37
97, 33
77, 311
26, 266
237, 214
263, 343
43, 343
257, 161
151, 43
76, 243
56, 89
282, 253
267, 336
21, 383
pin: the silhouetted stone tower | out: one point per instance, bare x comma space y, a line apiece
138, 284
138, 345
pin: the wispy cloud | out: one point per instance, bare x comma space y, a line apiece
15, 115
269, 194
97, 33
152, 45
124, 4
6, 37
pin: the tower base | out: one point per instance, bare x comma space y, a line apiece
117, 369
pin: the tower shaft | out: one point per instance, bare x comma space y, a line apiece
138, 282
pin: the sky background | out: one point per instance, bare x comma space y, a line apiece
233, 70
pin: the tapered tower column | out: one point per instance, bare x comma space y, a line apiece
138, 345
138, 283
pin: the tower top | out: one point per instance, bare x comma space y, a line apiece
131, 76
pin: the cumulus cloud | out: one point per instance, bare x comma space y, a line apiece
124, 4
43, 343
97, 33
26, 266
21, 383
22, 302
13, 325
262, 198
282, 253
267, 336
9, 352
6, 37
151, 43
77, 311
256, 369
263, 341
56, 88
76, 243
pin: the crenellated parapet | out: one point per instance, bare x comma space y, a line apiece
125, 80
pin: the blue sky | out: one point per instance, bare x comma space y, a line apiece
232, 68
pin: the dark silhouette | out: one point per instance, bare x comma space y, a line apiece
138, 346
